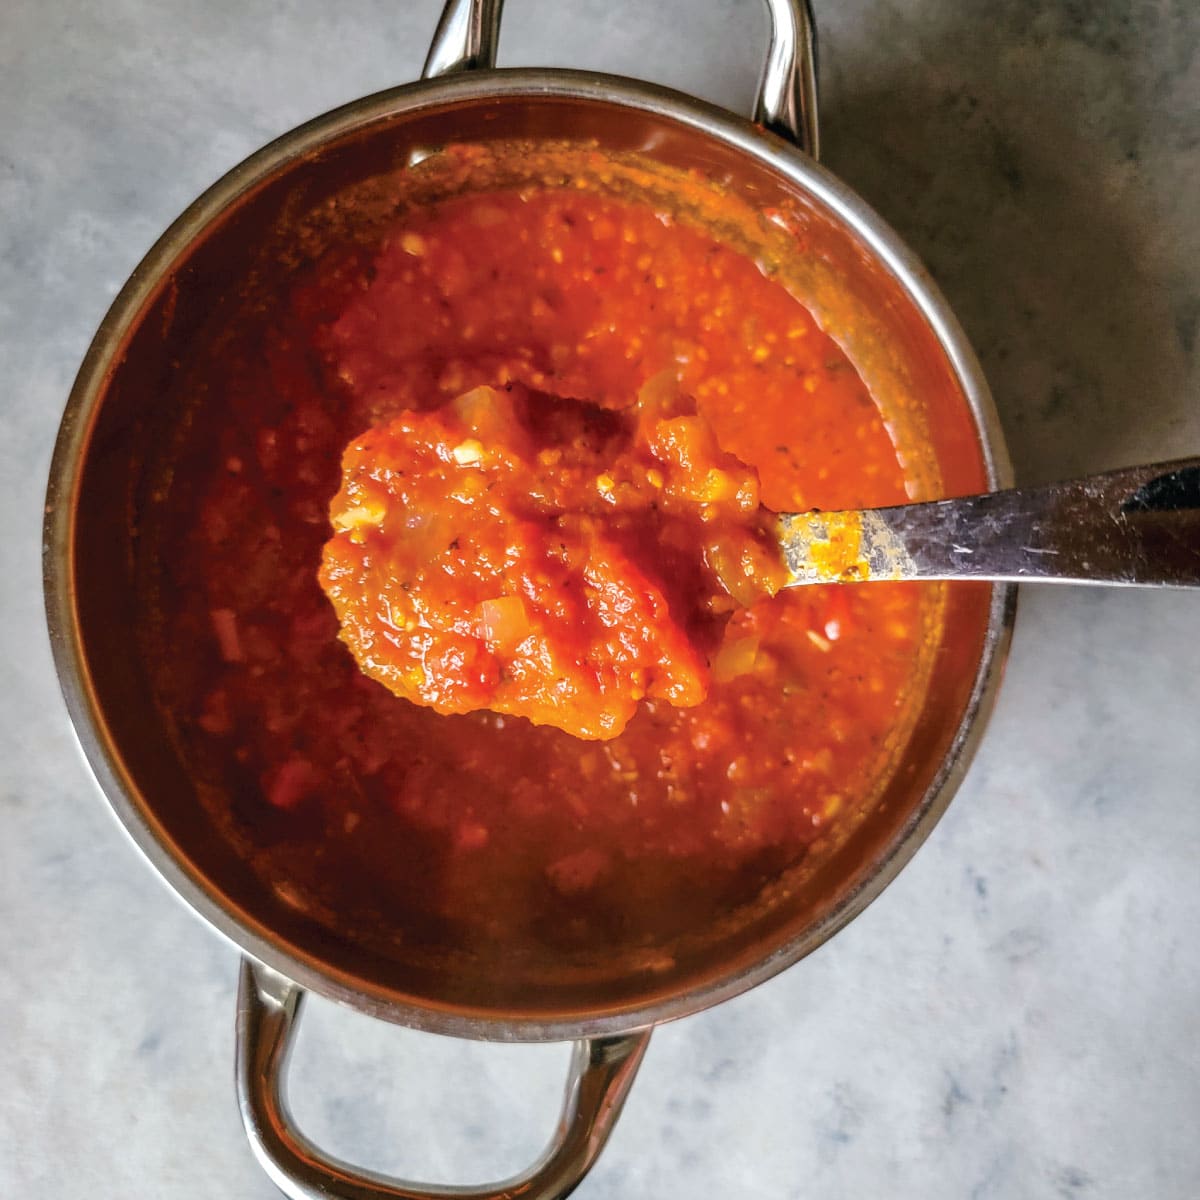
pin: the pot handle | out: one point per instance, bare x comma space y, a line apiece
602, 1070
469, 30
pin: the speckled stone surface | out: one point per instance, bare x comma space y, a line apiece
1018, 1016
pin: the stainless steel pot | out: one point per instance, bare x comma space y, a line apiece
870, 293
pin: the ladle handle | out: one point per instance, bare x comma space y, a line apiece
1139, 526
602, 1070
465, 39
469, 30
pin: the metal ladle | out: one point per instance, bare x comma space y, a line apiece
1139, 526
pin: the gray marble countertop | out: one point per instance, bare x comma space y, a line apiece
1018, 1015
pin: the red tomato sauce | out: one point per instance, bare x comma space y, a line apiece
545, 558
763, 721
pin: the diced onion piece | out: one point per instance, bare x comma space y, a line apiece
822, 643
368, 513
488, 420
224, 623
736, 657
468, 452
718, 485
658, 392
505, 623
741, 573
474, 406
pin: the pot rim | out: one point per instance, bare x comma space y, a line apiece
291, 148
